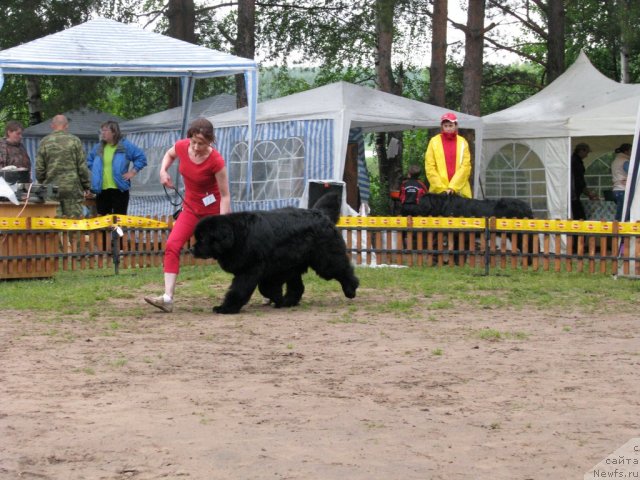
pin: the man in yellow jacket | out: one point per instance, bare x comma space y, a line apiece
448, 160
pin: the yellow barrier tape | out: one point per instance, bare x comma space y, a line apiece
510, 225
449, 222
46, 223
12, 223
397, 222
418, 222
542, 226
140, 222
557, 226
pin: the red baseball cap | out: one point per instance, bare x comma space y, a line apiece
449, 117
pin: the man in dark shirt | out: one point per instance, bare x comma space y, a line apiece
578, 183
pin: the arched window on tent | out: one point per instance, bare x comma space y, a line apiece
516, 171
598, 175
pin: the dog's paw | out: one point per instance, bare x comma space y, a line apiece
288, 302
225, 310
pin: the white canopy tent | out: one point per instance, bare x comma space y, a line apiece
319, 121
581, 105
103, 47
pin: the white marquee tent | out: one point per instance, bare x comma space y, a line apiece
103, 47
527, 147
305, 136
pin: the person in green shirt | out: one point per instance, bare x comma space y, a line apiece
113, 163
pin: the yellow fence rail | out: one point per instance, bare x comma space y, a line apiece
39, 246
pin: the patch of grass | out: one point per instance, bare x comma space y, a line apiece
119, 362
494, 335
345, 318
437, 352
398, 306
441, 305
95, 294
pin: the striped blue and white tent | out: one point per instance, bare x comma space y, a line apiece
305, 137
103, 47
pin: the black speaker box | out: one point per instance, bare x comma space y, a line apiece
318, 188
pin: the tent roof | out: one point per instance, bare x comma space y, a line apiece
370, 109
575, 104
83, 122
171, 119
106, 47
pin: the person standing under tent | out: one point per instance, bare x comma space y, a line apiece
448, 160
578, 182
109, 163
619, 173
61, 161
12, 151
206, 193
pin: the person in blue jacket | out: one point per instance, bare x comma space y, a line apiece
113, 163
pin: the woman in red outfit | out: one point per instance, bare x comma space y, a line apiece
206, 193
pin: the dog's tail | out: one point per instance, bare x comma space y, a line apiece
329, 204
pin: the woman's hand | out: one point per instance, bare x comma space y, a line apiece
165, 179
129, 175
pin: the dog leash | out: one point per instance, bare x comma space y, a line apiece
179, 204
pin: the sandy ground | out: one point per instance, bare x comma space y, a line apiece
328, 390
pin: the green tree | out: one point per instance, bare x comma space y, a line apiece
23, 21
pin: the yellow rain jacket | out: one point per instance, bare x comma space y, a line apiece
436, 167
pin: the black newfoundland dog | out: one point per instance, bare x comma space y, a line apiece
443, 205
270, 249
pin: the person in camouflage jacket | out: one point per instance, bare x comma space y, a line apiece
61, 161
12, 151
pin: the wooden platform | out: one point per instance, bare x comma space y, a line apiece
28, 244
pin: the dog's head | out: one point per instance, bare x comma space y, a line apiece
214, 236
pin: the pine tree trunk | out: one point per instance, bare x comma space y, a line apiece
390, 167
556, 39
182, 19
438, 69
472, 69
34, 100
245, 43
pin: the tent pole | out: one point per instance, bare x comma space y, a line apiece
251, 86
187, 84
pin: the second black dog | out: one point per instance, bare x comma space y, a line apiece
443, 205
270, 249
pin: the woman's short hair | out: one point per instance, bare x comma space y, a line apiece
13, 126
202, 126
115, 129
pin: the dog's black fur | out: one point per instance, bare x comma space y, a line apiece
268, 249
443, 205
